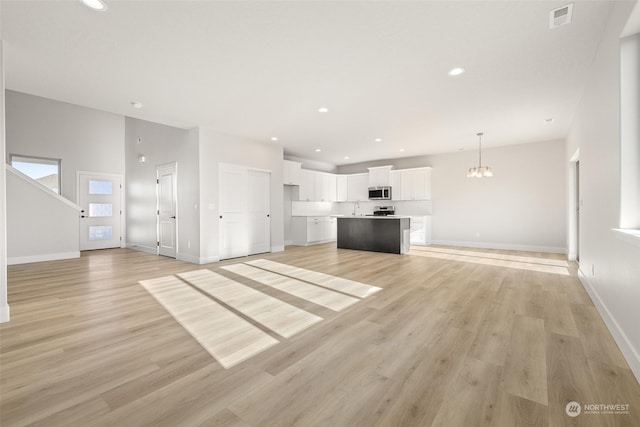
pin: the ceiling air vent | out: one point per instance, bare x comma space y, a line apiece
561, 16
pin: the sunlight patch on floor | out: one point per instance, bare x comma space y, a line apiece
223, 314
498, 260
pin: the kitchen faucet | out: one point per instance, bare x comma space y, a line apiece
357, 203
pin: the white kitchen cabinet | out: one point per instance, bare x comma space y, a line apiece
317, 186
307, 185
358, 187
415, 184
313, 230
325, 187
396, 185
422, 184
379, 176
420, 230
291, 172
333, 229
341, 188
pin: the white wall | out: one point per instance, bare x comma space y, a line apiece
218, 148
4, 305
42, 226
85, 139
614, 286
160, 145
523, 207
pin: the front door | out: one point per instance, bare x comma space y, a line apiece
166, 180
100, 197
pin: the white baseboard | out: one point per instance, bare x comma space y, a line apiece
288, 242
4, 313
208, 260
503, 246
279, 248
43, 257
148, 249
188, 258
628, 350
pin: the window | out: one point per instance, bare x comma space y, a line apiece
630, 132
43, 170
630, 138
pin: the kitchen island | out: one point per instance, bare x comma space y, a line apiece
388, 234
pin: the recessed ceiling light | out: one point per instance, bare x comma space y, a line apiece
274, 138
346, 157
95, 4
323, 110
378, 139
402, 149
318, 150
548, 121
136, 105
456, 71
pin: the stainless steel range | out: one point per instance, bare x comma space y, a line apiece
383, 210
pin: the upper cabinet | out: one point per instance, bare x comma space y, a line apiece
406, 184
395, 180
379, 176
291, 172
415, 184
358, 187
341, 188
307, 185
325, 187
317, 186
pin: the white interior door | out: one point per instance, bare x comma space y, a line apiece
167, 194
258, 211
232, 212
100, 197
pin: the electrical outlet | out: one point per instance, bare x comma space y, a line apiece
189, 243
593, 269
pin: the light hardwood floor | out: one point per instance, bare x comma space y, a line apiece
444, 343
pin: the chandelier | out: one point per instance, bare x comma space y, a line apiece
479, 171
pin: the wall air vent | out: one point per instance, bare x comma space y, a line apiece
561, 16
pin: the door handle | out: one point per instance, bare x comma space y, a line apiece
173, 217
220, 216
267, 215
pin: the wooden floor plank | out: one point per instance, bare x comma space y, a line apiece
475, 388
525, 364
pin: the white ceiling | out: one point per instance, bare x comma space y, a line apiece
259, 69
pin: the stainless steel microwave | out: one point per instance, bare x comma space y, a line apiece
380, 193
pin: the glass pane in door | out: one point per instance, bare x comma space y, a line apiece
100, 209
100, 187
100, 232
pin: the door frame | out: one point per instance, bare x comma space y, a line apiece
123, 206
573, 205
175, 192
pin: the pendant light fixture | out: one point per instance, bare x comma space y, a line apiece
480, 171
